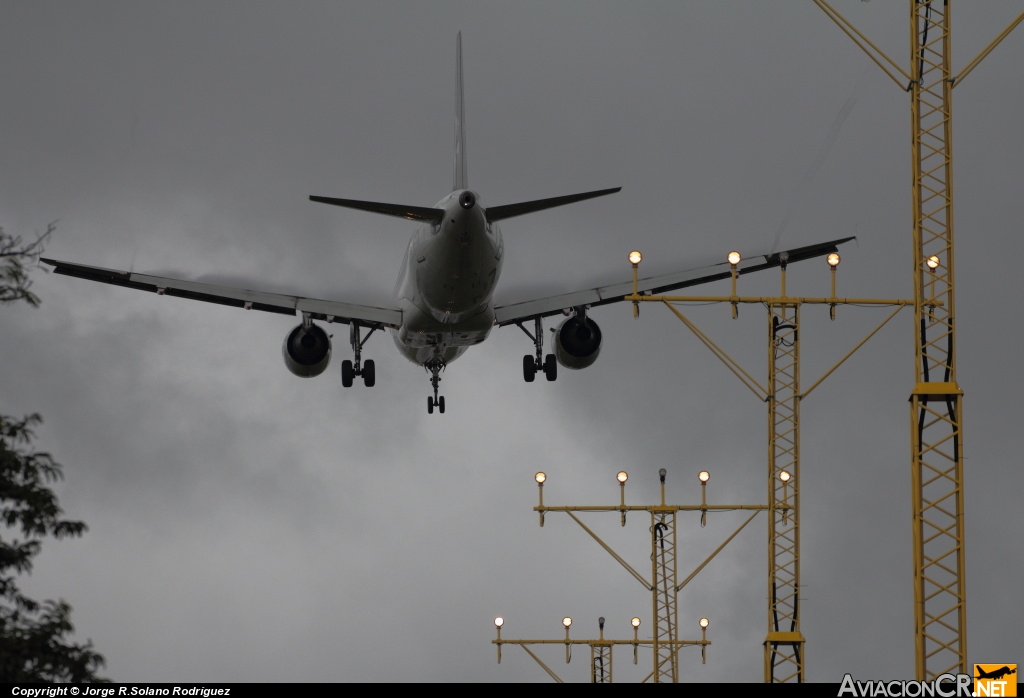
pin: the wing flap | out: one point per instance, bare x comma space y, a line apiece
332, 311
554, 305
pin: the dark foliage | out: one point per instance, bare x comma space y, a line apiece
34, 636
16, 257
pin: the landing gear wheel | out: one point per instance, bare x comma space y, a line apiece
370, 373
550, 367
529, 368
435, 366
347, 373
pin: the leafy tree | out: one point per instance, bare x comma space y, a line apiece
15, 258
34, 644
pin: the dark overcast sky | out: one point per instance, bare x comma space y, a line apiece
248, 525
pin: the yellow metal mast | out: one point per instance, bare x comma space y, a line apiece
784, 659
662, 585
784, 645
940, 598
936, 411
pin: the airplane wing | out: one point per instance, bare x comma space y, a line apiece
555, 305
330, 311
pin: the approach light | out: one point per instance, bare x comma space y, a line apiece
567, 621
704, 476
622, 476
785, 476
540, 478
498, 622
833, 260
734, 258
704, 622
635, 257
635, 622
932, 262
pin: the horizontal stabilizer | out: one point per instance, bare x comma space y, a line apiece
498, 213
412, 213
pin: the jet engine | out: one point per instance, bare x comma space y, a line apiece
307, 351
577, 342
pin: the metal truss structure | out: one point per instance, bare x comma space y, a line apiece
784, 659
936, 401
662, 585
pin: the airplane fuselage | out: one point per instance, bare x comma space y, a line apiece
447, 282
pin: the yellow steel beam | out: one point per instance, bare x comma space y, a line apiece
987, 50
873, 52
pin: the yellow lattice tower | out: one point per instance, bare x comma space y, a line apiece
784, 659
665, 595
940, 613
662, 585
784, 645
936, 418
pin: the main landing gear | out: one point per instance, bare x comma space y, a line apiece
435, 366
532, 364
350, 370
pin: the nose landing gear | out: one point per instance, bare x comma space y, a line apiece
435, 366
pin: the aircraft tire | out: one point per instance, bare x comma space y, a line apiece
430, 405
347, 373
550, 367
369, 373
440, 404
529, 369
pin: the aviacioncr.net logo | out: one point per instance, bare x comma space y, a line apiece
995, 680
945, 686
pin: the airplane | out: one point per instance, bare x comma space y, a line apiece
444, 297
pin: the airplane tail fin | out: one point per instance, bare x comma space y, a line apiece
461, 180
461, 175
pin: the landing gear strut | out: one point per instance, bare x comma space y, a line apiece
350, 370
532, 364
435, 366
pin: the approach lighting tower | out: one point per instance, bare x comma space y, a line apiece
936, 419
784, 657
662, 584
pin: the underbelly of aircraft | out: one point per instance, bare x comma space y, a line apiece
422, 338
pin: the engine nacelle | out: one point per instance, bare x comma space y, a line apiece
307, 351
577, 344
